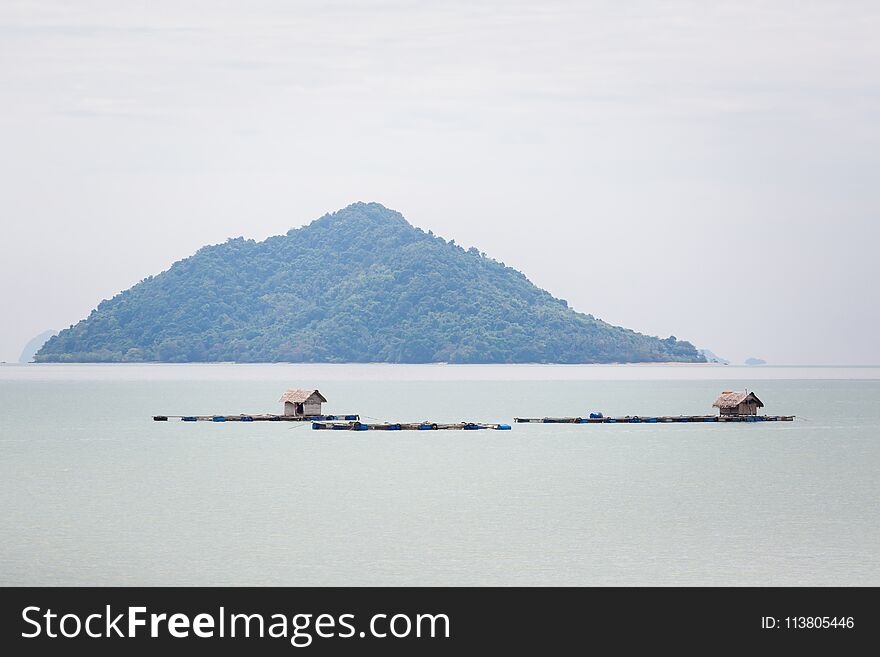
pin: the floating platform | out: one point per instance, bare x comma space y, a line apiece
409, 426
257, 418
636, 419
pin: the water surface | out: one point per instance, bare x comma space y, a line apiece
92, 491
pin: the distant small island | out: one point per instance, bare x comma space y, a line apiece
358, 285
712, 357
755, 361
34, 344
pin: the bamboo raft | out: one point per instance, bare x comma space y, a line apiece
635, 419
408, 426
257, 418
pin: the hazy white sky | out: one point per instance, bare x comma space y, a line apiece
704, 169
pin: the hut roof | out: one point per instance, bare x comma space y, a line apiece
299, 395
734, 399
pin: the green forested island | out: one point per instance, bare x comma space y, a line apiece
358, 285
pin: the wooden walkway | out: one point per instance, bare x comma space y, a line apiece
409, 426
256, 418
636, 419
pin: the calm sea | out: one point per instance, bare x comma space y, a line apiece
92, 491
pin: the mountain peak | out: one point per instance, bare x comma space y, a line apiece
372, 213
370, 208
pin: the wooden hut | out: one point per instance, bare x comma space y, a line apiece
738, 403
302, 402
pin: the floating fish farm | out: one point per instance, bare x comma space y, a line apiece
304, 405
408, 426
635, 419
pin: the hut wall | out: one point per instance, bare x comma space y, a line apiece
289, 408
747, 408
312, 406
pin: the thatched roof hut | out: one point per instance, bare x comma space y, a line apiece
738, 403
302, 402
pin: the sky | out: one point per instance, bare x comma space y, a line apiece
709, 170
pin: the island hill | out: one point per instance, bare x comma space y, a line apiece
358, 285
